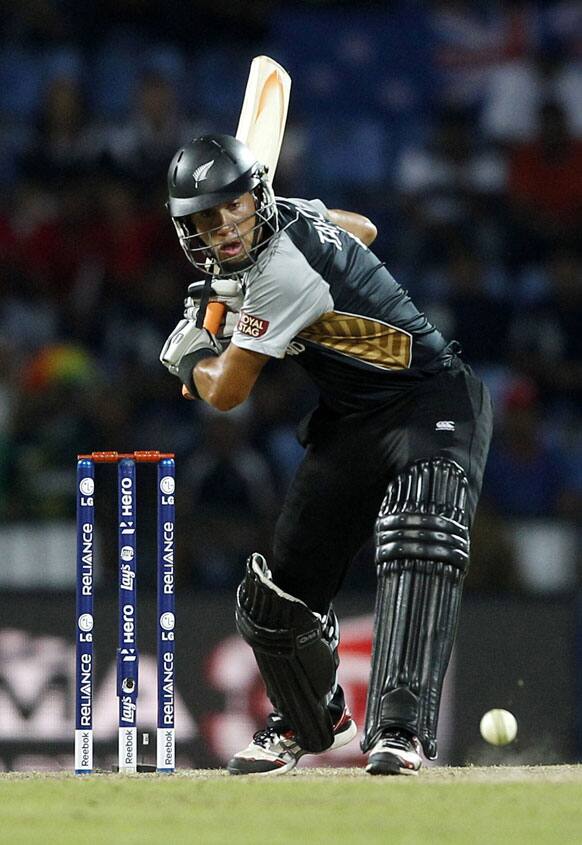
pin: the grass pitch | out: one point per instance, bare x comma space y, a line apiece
311, 806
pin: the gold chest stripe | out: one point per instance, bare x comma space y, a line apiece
362, 338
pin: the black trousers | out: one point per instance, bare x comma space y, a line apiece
334, 499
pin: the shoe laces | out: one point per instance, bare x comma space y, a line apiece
268, 736
396, 739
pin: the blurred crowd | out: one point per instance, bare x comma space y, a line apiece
456, 126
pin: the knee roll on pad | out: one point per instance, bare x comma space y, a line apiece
296, 652
422, 554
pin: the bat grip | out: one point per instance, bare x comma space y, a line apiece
214, 316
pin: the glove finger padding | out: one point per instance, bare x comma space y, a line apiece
227, 291
230, 321
226, 330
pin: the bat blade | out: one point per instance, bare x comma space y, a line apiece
261, 127
264, 112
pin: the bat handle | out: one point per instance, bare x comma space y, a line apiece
214, 316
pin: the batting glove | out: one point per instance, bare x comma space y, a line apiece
185, 346
227, 291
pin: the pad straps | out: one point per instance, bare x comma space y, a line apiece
296, 657
422, 555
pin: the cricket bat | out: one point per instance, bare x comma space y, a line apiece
261, 127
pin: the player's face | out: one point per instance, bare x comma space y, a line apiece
228, 229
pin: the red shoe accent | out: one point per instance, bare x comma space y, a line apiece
343, 720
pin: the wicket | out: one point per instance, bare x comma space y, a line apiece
127, 652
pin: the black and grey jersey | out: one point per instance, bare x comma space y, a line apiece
319, 294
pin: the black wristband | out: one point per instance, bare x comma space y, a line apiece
187, 364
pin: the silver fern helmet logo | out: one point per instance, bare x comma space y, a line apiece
201, 173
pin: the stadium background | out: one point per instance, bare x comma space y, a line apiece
457, 127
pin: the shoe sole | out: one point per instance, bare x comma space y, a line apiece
389, 764
344, 737
340, 740
281, 770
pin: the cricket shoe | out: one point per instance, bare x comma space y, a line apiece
274, 751
396, 753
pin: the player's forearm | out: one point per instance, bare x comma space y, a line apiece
357, 224
213, 386
226, 381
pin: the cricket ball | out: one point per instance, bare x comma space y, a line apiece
498, 727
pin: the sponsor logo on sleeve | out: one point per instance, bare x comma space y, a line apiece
253, 326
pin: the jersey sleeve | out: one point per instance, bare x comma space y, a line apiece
312, 205
282, 299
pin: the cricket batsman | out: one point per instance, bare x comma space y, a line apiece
396, 447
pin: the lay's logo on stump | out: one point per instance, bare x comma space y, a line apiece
252, 326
